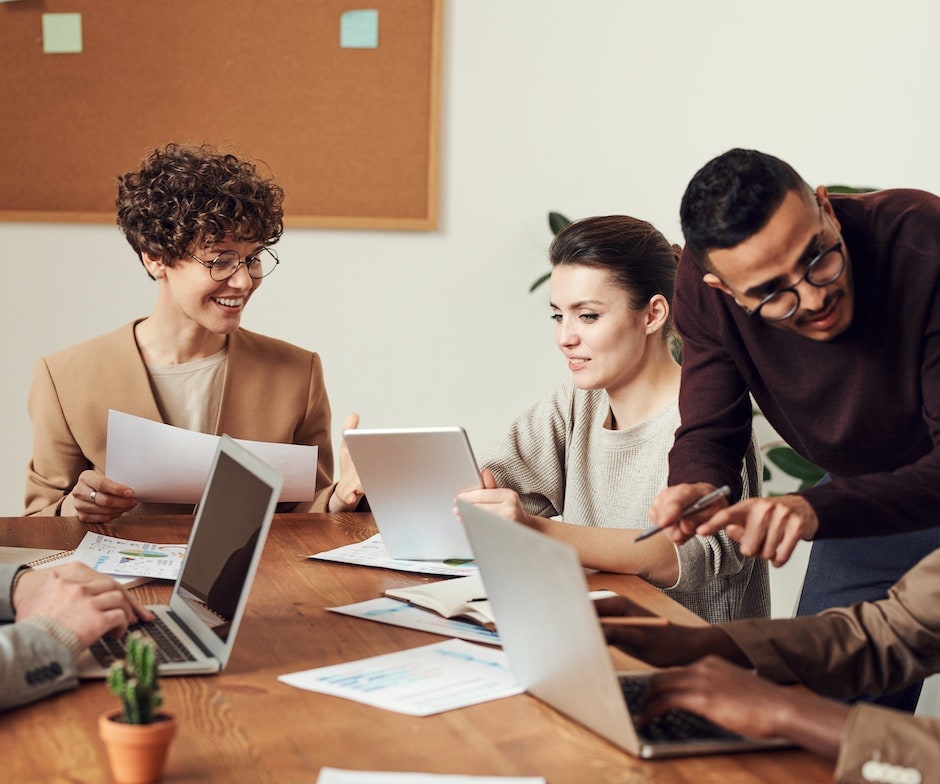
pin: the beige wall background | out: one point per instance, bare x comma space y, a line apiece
587, 107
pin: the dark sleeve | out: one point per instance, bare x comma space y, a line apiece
869, 648
714, 403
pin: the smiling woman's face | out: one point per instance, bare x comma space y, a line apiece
191, 296
602, 338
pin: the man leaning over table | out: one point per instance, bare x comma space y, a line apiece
57, 613
826, 310
871, 647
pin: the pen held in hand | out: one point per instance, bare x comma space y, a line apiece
704, 502
633, 620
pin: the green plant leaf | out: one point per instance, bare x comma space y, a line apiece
849, 189
793, 465
539, 282
557, 221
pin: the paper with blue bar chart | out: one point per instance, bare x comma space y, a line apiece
418, 681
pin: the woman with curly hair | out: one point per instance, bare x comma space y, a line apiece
202, 224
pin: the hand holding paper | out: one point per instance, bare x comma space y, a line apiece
166, 464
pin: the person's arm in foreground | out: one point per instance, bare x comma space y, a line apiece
58, 612
714, 684
872, 647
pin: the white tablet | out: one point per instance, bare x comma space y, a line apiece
411, 477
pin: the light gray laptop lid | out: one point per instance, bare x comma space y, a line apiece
225, 543
553, 640
225, 546
411, 477
547, 623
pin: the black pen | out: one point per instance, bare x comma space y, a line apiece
706, 500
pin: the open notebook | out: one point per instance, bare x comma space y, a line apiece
196, 631
557, 652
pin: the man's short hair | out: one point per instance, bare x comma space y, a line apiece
732, 197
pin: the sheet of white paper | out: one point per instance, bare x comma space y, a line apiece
372, 552
418, 681
166, 464
397, 613
341, 776
122, 559
130, 557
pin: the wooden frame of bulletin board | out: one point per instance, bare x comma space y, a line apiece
338, 102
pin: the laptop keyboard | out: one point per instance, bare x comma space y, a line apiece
168, 647
675, 725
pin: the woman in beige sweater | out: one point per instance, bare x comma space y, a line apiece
584, 464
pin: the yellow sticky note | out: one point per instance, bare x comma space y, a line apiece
359, 29
62, 33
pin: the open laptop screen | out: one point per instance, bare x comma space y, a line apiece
222, 548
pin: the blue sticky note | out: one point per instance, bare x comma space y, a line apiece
62, 33
359, 29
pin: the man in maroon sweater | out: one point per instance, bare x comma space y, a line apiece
826, 310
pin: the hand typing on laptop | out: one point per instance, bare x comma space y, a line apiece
716, 683
75, 596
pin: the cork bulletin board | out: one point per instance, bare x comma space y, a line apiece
339, 101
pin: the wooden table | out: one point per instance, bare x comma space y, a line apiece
242, 725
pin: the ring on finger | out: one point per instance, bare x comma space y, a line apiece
94, 496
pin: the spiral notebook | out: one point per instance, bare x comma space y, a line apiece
41, 557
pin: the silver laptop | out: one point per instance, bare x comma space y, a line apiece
557, 652
411, 477
195, 633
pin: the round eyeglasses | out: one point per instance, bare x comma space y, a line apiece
222, 267
825, 268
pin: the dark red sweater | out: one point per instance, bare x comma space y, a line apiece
864, 406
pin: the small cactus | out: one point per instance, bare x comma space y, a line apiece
134, 679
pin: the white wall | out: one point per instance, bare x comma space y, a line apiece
580, 106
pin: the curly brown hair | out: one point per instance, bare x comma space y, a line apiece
182, 196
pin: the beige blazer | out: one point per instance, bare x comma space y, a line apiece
869, 648
273, 391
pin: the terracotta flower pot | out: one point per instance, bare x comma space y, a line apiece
136, 752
